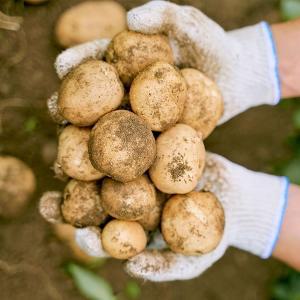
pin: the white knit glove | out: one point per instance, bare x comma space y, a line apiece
243, 62
254, 205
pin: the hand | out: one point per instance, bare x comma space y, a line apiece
254, 204
242, 62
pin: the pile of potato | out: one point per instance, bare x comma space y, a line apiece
132, 146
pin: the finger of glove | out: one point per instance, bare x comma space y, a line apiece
157, 265
89, 240
196, 40
72, 57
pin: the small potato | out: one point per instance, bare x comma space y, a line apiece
82, 204
128, 201
204, 104
151, 221
179, 161
88, 92
123, 239
158, 95
89, 21
122, 146
193, 224
73, 156
131, 52
17, 184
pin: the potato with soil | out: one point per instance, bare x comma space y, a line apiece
131, 52
179, 160
123, 239
204, 104
193, 224
89, 21
82, 204
122, 146
73, 157
88, 92
151, 221
128, 201
158, 95
17, 184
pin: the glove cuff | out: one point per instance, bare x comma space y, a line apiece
257, 218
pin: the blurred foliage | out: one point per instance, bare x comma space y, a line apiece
94, 287
30, 124
132, 290
287, 287
290, 9
91, 286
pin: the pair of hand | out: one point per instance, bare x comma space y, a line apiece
243, 64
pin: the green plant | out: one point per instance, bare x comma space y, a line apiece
290, 9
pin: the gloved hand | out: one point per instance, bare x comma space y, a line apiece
254, 205
242, 62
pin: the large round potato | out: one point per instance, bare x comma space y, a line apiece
88, 92
88, 21
122, 146
82, 204
73, 156
204, 104
123, 239
17, 184
193, 223
158, 95
128, 201
131, 52
179, 160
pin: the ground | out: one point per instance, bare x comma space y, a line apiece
31, 258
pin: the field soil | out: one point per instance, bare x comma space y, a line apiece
31, 258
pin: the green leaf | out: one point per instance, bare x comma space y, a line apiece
132, 290
91, 286
296, 119
30, 124
292, 170
290, 9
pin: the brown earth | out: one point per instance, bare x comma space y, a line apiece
31, 258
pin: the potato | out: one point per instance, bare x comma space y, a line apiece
88, 21
151, 221
123, 239
179, 160
204, 104
128, 201
158, 95
17, 184
193, 224
82, 204
88, 92
122, 146
73, 156
131, 52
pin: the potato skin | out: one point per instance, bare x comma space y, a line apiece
73, 156
17, 184
193, 224
179, 160
89, 21
128, 201
123, 239
158, 95
151, 221
204, 104
122, 146
82, 204
131, 52
88, 92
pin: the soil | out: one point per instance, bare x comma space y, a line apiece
31, 258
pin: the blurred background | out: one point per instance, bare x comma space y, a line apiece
34, 262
